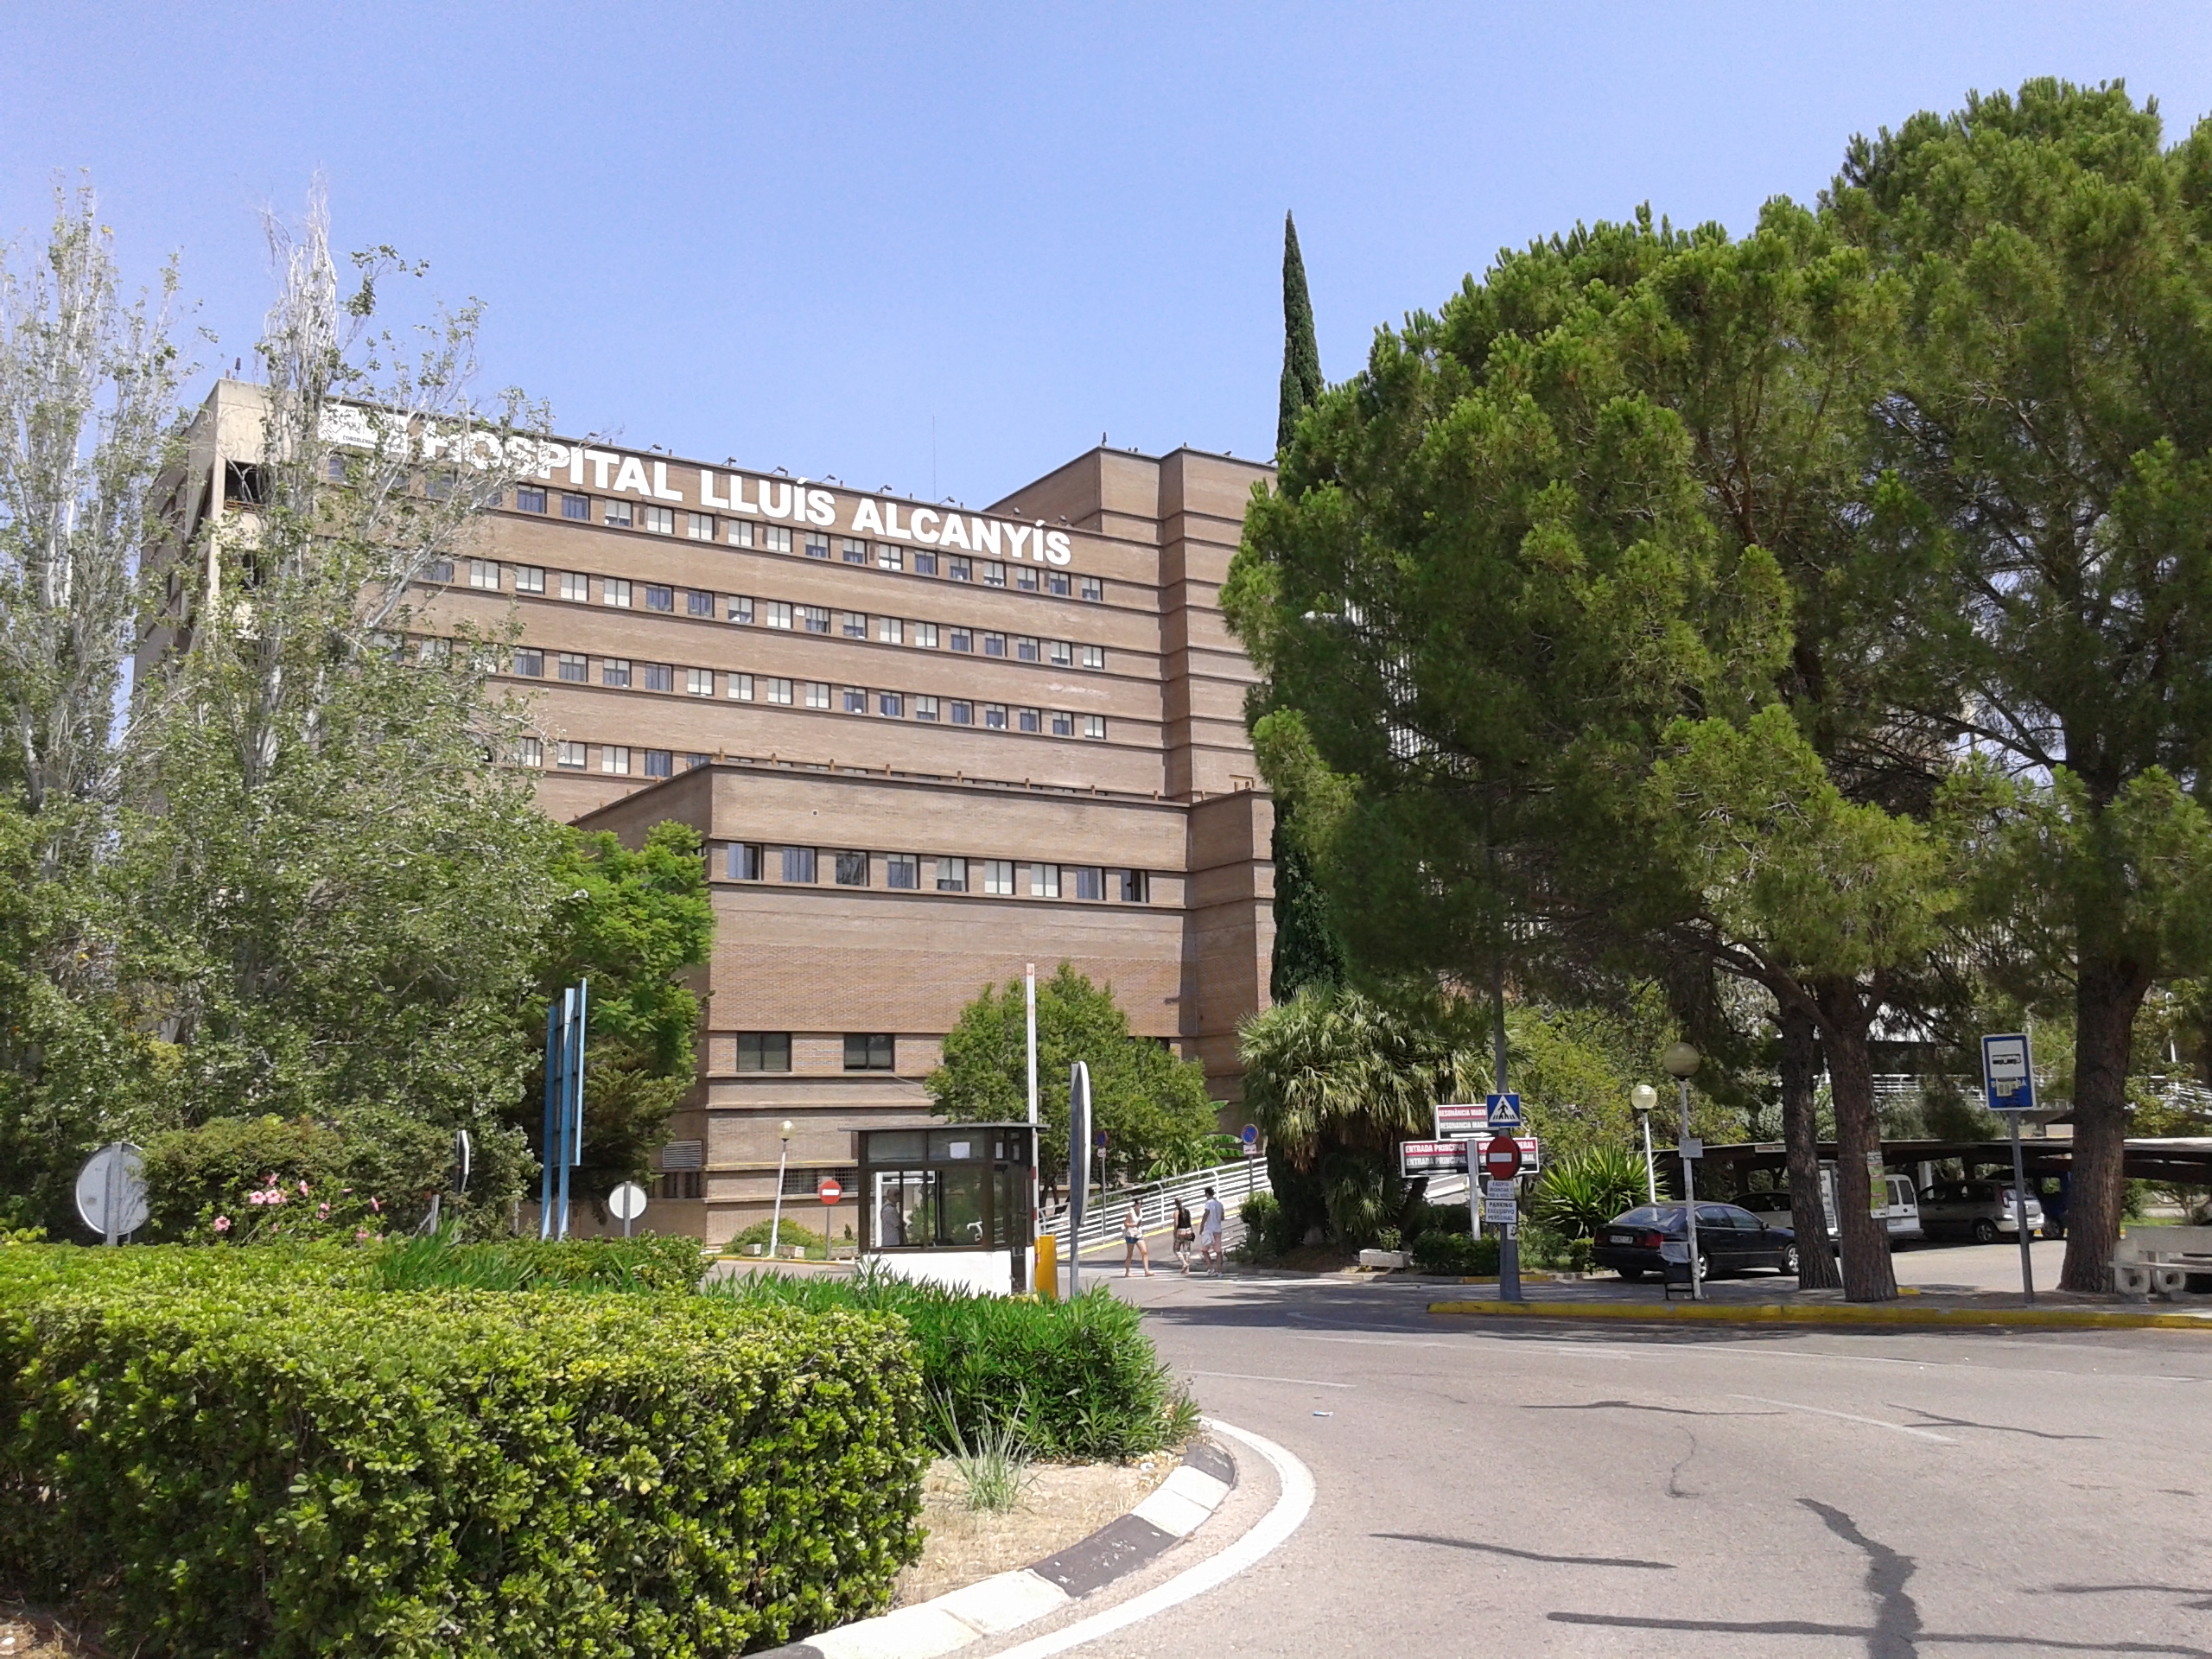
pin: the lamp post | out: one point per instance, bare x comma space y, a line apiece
1681, 1061
1644, 1097
776, 1220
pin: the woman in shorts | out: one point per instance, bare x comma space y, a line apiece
1185, 1236
1133, 1247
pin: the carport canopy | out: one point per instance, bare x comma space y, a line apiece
2182, 1160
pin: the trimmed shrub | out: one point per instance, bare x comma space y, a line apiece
1422, 1217
1075, 1379
645, 1263
1264, 1224
627, 1264
1456, 1252
246, 1179
229, 1467
789, 1232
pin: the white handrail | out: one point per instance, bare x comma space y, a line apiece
1102, 1218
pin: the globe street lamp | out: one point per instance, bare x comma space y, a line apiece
1681, 1061
776, 1218
1644, 1097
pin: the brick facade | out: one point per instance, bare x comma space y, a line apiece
1112, 645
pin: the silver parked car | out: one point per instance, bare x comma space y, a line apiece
1981, 1211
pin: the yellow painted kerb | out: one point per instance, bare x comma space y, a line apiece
1788, 1313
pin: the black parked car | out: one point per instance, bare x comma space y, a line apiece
1729, 1240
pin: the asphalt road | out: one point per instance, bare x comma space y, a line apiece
1696, 1491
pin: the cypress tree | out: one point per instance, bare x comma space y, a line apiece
1306, 950
1301, 353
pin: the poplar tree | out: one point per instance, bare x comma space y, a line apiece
88, 424
339, 888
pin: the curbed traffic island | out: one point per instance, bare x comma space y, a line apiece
266, 1462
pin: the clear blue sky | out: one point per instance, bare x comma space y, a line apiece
808, 236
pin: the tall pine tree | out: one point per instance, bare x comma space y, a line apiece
1306, 950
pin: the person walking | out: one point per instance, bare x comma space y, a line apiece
1185, 1236
1132, 1245
1211, 1217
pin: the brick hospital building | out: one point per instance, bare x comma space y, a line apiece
924, 745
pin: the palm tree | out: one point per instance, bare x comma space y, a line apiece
1333, 1071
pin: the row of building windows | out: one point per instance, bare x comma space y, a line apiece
814, 544
770, 1051
615, 760
746, 860
575, 668
746, 611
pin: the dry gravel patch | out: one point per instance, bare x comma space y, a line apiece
1065, 1504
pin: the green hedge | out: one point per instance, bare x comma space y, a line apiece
1455, 1253
217, 1465
1075, 1379
648, 1263
629, 1264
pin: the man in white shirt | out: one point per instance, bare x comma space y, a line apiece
1210, 1222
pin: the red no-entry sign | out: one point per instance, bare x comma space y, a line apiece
1502, 1158
829, 1191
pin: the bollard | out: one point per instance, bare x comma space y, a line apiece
1047, 1282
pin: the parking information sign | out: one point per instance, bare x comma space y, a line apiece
1501, 1203
2006, 1073
1504, 1112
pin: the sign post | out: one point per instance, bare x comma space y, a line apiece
1502, 1111
2009, 1077
564, 1106
1025, 1276
1078, 1169
627, 1201
112, 1192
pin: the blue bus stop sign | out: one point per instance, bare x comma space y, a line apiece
2006, 1073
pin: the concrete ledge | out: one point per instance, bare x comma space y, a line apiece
996, 1605
1920, 1311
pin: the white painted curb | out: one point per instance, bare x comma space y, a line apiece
1292, 1505
997, 1605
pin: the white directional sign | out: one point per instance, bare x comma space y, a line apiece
2008, 1072
1461, 1117
1501, 1203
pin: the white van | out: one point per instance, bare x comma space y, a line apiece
1900, 1214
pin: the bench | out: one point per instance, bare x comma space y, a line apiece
2161, 1261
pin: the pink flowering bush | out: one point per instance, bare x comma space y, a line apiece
259, 1181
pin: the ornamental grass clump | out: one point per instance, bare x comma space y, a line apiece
1583, 1191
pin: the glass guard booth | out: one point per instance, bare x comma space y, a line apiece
949, 1205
